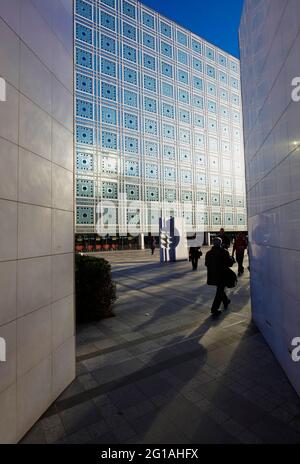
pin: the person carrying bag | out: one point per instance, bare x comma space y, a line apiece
195, 254
218, 262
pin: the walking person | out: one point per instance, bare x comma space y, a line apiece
218, 261
153, 245
195, 254
239, 247
225, 239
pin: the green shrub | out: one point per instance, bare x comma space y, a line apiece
95, 290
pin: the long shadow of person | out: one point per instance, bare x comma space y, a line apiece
172, 378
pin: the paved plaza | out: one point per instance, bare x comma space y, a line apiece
162, 371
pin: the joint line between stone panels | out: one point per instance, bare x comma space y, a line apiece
287, 55
166, 347
273, 168
267, 136
166, 286
127, 380
32, 51
277, 247
37, 105
149, 336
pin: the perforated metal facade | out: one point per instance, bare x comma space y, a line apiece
158, 123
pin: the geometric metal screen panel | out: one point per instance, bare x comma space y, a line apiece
158, 122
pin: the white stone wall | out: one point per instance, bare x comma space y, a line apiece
36, 209
270, 45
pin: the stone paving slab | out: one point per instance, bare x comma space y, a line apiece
162, 371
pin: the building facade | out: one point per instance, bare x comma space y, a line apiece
37, 349
270, 43
158, 124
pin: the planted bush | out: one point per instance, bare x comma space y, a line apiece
95, 290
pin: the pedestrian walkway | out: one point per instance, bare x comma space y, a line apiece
163, 371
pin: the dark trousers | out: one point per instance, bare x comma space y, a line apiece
220, 297
240, 259
153, 250
194, 260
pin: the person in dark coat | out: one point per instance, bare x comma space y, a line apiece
153, 245
225, 239
195, 253
217, 260
239, 247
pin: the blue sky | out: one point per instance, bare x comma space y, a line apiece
215, 20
